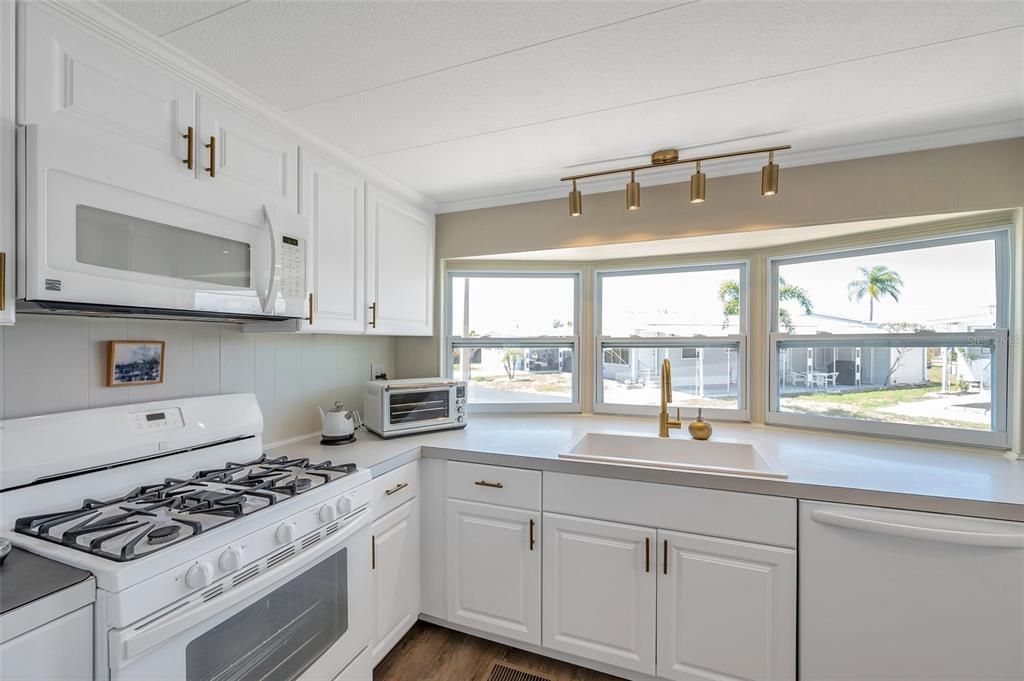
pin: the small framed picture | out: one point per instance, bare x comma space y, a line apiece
135, 363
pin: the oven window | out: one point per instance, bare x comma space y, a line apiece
123, 242
279, 636
425, 405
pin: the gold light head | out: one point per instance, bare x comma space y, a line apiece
575, 201
770, 177
698, 186
632, 193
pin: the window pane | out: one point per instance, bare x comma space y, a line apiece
923, 386
938, 288
515, 375
701, 377
655, 304
510, 307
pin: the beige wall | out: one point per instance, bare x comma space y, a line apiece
935, 182
50, 364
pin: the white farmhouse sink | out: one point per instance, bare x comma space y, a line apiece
658, 452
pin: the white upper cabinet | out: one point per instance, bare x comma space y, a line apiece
332, 199
494, 569
399, 266
599, 591
726, 609
244, 159
7, 162
113, 102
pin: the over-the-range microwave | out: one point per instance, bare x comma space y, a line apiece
94, 240
414, 405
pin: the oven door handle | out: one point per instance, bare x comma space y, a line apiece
130, 642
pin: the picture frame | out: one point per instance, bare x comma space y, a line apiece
135, 362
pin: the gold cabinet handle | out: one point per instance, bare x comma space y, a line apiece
373, 552
373, 318
310, 317
3, 281
664, 563
212, 146
532, 542
484, 483
190, 154
397, 488
647, 554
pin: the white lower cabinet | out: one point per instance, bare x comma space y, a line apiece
60, 650
396, 576
599, 591
494, 569
726, 609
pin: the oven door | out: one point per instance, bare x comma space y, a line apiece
98, 241
304, 619
419, 407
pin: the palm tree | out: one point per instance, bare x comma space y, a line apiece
878, 281
729, 294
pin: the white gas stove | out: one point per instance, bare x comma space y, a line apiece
212, 561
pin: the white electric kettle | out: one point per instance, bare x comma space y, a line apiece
338, 426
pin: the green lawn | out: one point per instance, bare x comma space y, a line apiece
868, 404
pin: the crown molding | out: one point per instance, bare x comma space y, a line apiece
114, 29
738, 166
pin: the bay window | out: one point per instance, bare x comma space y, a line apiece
692, 316
904, 339
513, 337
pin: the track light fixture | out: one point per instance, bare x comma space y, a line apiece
770, 177
698, 186
670, 157
632, 193
575, 201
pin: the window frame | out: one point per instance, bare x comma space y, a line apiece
997, 438
738, 340
453, 342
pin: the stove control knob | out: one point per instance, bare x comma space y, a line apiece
285, 534
231, 559
199, 575
327, 513
344, 505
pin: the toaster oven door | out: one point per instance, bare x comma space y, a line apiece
418, 408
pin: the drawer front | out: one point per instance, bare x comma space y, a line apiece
499, 485
394, 488
729, 515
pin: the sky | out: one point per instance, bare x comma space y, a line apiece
939, 282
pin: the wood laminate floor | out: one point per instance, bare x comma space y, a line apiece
432, 653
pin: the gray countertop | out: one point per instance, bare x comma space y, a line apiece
820, 466
26, 578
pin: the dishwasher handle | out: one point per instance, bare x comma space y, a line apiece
935, 534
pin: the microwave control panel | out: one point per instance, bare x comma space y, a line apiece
293, 267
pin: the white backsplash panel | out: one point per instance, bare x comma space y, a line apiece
50, 364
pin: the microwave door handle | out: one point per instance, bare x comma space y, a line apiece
269, 294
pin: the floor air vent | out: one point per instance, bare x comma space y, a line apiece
503, 672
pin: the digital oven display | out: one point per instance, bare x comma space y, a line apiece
157, 416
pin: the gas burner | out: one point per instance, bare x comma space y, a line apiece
164, 534
152, 517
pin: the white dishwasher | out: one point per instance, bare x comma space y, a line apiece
900, 595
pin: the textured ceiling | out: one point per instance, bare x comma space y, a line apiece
481, 100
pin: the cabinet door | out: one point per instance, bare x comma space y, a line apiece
252, 164
599, 591
332, 199
129, 116
396, 576
6, 162
494, 569
399, 266
33, 657
726, 609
